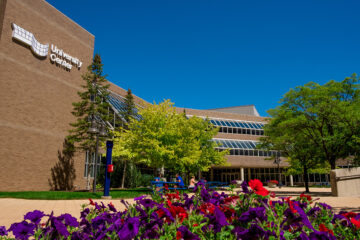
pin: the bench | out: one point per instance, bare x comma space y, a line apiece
161, 184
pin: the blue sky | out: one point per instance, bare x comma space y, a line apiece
212, 54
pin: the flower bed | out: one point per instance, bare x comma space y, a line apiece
250, 214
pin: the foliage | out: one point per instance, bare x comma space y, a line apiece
128, 113
252, 214
163, 137
323, 120
315, 125
92, 103
134, 178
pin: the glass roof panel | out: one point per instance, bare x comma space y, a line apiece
238, 145
237, 124
232, 123
233, 144
248, 144
212, 122
252, 145
227, 123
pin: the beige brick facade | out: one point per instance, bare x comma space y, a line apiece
36, 95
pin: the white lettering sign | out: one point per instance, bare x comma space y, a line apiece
57, 56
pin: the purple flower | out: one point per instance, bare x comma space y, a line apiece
69, 220
84, 213
304, 218
252, 214
220, 217
205, 195
112, 207
198, 185
150, 234
186, 234
130, 228
303, 236
313, 211
147, 203
254, 232
34, 216
61, 228
317, 235
22, 230
343, 220
140, 198
79, 236
3, 231
244, 187
325, 206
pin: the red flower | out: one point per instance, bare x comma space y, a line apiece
255, 184
323, 228
160, 213
207, 208
231, 199
91, 202
178, 235
308, 197
356, 223
258, 188
291, 205
166, 187
229, 213
177, 211
272, 194
195, 225
172, 196
349, 215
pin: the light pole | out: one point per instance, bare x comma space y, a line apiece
98, 129
278, 161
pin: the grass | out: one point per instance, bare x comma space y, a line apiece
60, 195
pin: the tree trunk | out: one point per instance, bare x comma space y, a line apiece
333, 163
123, 176
306, 179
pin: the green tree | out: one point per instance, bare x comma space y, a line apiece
128, 113
320, 122
302, 156
92, 105
163, 137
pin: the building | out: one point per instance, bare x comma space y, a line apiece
43, 54
239, 131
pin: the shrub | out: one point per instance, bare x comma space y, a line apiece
249, 214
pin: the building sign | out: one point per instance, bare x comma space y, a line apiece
57, 56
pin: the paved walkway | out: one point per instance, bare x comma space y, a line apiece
13, 210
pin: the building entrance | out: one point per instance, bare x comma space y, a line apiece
228, 177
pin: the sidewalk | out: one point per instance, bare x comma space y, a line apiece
13, 210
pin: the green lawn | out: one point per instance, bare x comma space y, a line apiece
59, 195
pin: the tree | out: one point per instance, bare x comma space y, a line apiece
93, 104
127, 114
163, 137
318, 123
302, 156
